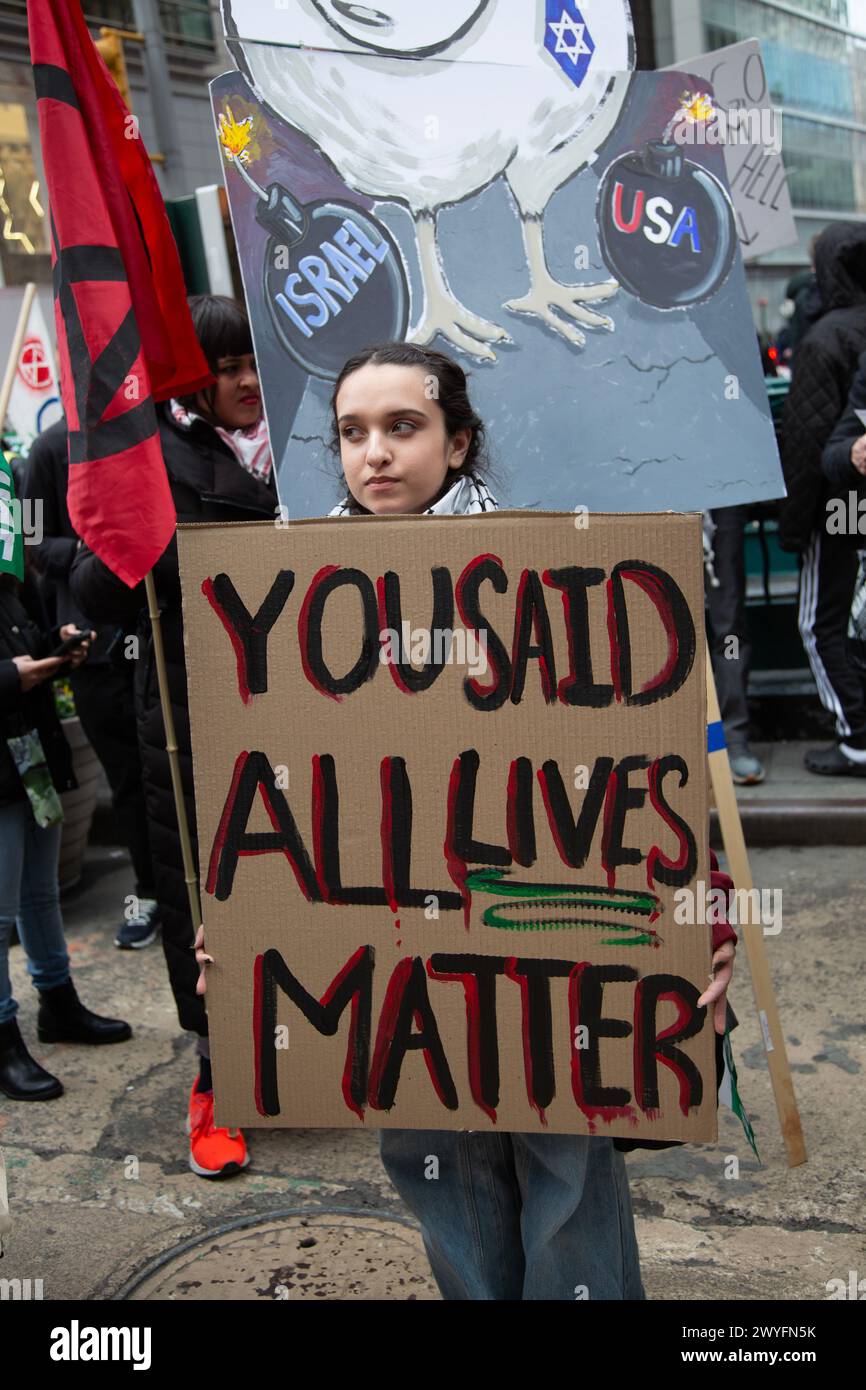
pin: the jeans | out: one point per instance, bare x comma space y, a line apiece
519, 1216
29, 892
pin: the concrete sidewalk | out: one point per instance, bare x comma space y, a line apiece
796, 807
104, 1205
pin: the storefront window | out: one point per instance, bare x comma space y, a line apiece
23, 235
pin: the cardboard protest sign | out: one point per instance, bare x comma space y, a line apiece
749, 129
490, 178
451, 791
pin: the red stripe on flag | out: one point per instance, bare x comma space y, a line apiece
125, 335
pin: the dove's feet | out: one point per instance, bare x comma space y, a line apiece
446, 315
548, 295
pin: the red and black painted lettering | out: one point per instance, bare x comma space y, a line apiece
674, 612
651, 1047
408, 678
660, 869
608, 799
407, 1001
507, 675
253, 776
578, 687
328, 580
353, 985
247, 634
586, 991
534, 977
407, 1022
478, 976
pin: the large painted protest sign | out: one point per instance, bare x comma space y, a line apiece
491, 177
451, 792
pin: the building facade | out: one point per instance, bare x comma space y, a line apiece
815, 57
168, 92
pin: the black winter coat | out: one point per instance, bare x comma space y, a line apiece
808, 308
46, 483
841, 475
208, 484
823, 371
836, 459
22, 634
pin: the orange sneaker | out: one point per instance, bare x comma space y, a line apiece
213, 1153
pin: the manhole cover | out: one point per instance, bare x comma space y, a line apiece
337, 1256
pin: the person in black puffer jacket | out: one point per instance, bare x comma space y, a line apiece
824, 370
29, 850
218, 462
844, 460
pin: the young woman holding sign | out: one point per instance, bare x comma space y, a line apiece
511, 1216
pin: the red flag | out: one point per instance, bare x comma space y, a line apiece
124, 333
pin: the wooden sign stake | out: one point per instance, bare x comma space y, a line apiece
751, 933
171, 748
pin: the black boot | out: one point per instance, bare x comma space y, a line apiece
63, 1018
21, 1078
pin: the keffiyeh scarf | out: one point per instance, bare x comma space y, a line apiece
468, 495
251, 448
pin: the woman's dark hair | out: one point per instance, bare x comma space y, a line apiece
223, 329
451, 395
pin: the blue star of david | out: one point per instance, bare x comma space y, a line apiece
567, 38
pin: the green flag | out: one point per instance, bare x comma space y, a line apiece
730, 1096
11, 532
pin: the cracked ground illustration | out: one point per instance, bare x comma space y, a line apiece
357, 223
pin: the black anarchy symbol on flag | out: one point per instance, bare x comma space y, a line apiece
98, 380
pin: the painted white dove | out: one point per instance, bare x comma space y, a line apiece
427, 104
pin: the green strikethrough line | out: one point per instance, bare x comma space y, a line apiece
527, 895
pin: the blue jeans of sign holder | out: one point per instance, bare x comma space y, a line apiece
519, 1216
29, 894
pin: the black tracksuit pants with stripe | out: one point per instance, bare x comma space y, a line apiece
827, 583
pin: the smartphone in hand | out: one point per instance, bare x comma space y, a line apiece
70, 644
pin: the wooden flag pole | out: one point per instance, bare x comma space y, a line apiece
751, 932
189, 873
12, 364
